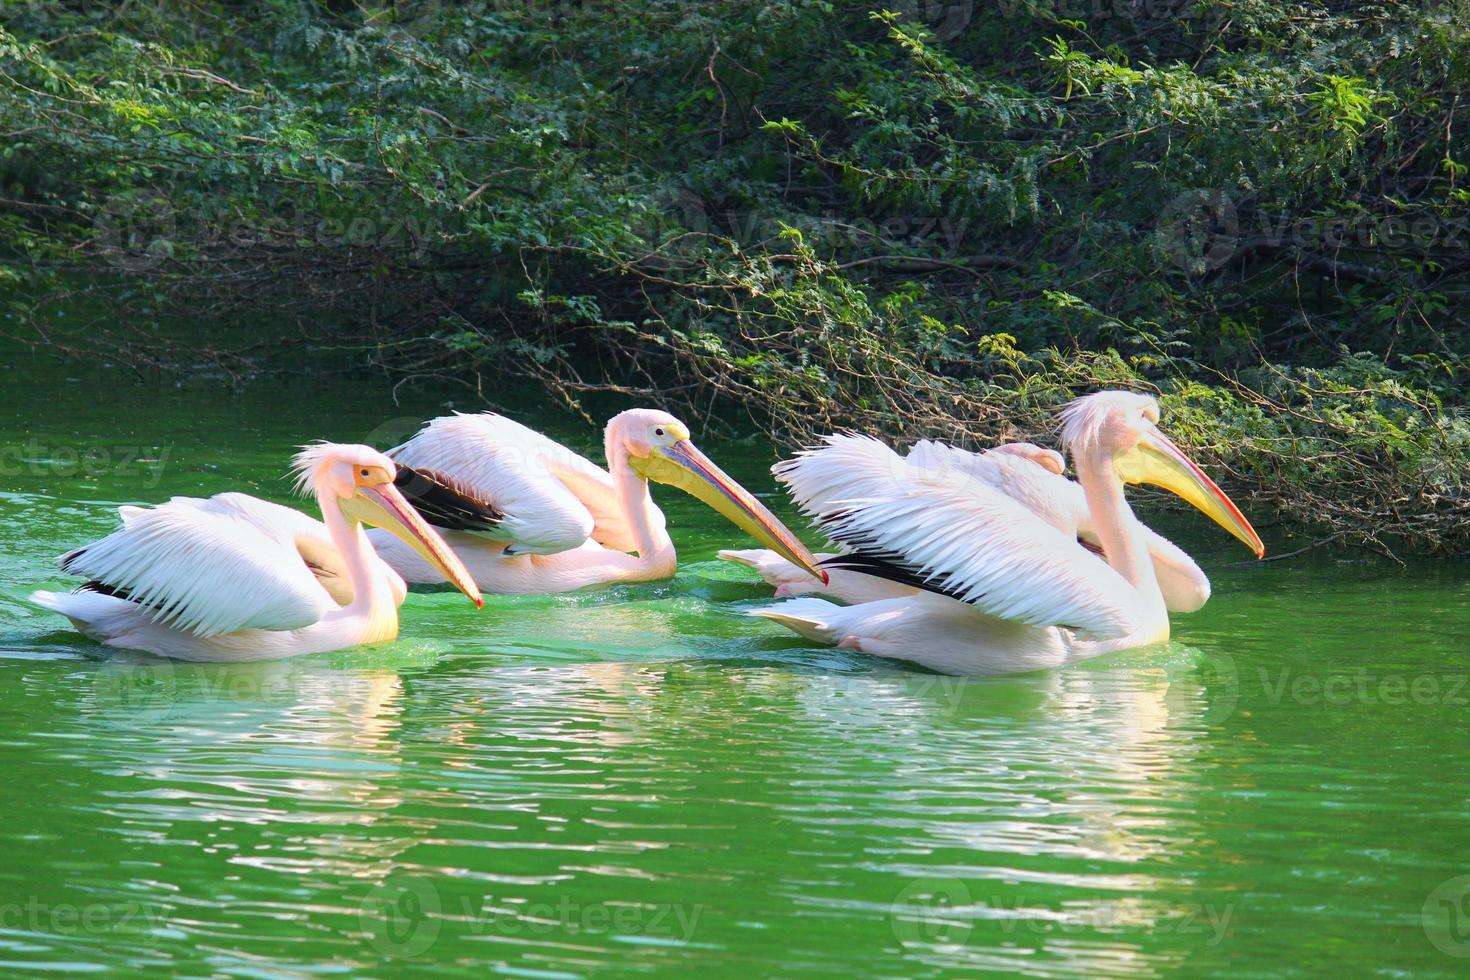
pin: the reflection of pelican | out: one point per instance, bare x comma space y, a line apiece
237, 578
529, 515
997, 585
312, 742
1041, 802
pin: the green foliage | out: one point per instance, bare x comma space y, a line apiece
823, 214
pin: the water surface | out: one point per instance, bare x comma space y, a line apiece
639, 780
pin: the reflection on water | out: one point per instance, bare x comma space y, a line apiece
470, 801
645, 780
640, 779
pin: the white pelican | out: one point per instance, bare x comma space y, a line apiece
233, 577
526, 514
1030, 475
995, 585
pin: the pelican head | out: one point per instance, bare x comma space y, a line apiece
360, 480
1122, 428
657, 448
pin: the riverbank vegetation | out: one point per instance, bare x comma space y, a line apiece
934, 217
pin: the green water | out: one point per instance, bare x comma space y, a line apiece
638, 780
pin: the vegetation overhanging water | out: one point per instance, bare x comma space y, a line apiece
253, 225
943, 219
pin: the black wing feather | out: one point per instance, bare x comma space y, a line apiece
868, 556
443, 503
893, 567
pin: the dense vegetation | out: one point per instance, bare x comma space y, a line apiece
944, 217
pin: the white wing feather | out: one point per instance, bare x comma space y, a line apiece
552, 498
1063, 504
1053, 498
984, 547
211, 566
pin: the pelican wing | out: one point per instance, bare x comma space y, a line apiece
949, 532
1062, 504
309, 535
444, 501
499, 464
209, 567
267, 518
1050, 496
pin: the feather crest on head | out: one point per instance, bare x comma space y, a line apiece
1084, 420
308, 463
312, 460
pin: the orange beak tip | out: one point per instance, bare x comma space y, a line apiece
479, 603
826, 579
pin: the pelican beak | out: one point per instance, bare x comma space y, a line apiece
1157, 461
683, 466
384, 506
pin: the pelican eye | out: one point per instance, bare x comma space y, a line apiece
371, 476
665, 434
